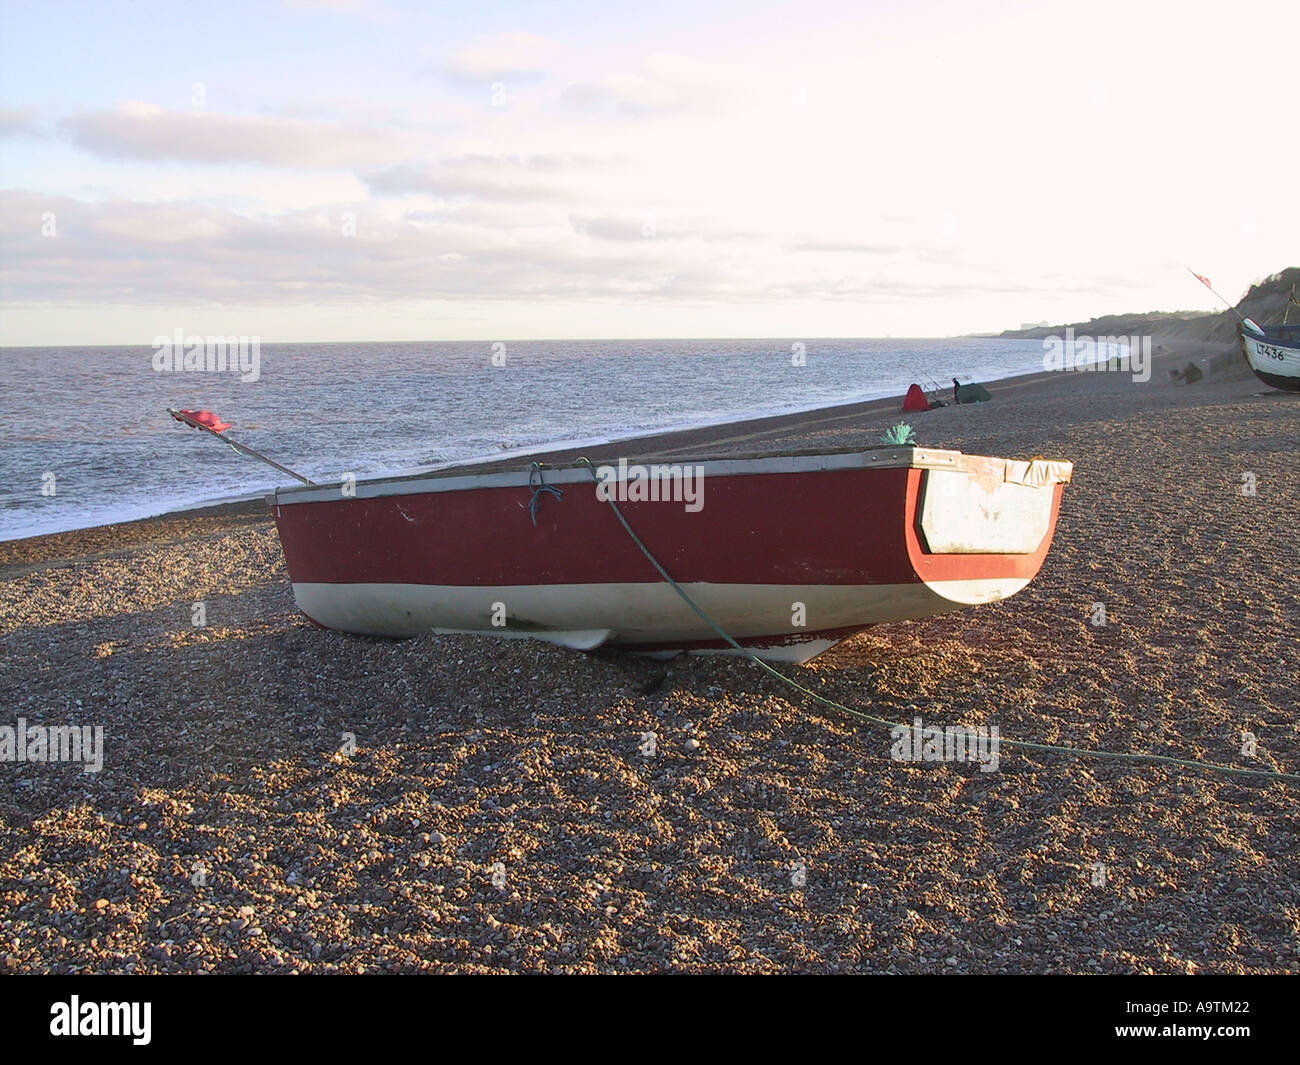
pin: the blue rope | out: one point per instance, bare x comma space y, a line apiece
534, 504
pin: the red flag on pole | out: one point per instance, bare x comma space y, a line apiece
1203, 280
206, 418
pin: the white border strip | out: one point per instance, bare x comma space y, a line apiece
885, 458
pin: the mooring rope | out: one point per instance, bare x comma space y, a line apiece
534, 504
1049, 748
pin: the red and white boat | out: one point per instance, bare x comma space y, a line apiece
789, 553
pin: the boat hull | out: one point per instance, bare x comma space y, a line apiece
1274, 360
788, 554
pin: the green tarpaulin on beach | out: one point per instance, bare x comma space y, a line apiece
972, 394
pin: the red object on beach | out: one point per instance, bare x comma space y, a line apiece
915, 400
789, 553
205, 418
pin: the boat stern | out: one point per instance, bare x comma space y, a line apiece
979, 532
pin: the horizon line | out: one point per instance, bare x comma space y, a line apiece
550, 340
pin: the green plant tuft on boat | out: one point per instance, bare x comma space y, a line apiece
900, 435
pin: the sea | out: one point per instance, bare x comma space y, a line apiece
85, 439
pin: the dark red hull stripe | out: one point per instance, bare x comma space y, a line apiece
856, 526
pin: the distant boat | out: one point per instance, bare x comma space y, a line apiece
1273, 351
789, 553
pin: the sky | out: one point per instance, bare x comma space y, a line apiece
315, 170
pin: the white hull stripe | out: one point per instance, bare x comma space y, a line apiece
1272, 356
587, 615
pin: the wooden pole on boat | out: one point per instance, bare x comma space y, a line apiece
182, 416
1211, 288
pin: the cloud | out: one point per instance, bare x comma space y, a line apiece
147, 253
666, 84
507, 178
648, 226
509, 57
142, 131
523, 263
17, 121
619, 227
846, 248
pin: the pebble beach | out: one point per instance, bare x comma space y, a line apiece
279, 798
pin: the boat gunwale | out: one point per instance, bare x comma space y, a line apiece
1291, 343
568, 472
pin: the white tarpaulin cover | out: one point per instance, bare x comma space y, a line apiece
1038, 472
